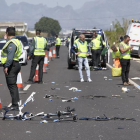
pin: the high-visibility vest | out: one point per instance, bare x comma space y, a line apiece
17, 52
58, 41
76, 40
99, 38
82, 48
125, 55
116, 54
40, 45
68, 39
96, 44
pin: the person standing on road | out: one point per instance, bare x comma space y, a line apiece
68, 41
82, 53
10, 59
37, 53
116, 56
96, 52
57, 45
125, 57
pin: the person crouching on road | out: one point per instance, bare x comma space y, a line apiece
96, 52
37, 53
10, 59
116, 56
82, 53
125, 57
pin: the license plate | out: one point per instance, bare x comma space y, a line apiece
135, 48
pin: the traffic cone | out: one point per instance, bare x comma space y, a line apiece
19, 83
45, 63
36, 78
50, 54
54, 53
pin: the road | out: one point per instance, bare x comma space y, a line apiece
126, 105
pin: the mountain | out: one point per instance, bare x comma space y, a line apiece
99, 13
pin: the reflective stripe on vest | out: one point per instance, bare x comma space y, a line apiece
17, 53
82, 48
40, 45
125, 55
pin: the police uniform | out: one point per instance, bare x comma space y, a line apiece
96, 52
125, 63
10, 59
82, 57
57, 45
37, 53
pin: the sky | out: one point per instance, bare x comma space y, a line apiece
52, 3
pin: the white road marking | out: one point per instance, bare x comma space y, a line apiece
27, 87
132, 82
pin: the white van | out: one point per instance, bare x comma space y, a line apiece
134, 33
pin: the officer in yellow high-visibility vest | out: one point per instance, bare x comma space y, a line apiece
57, 45
37, 53
125, 57
96, 52
10, 59
82, 53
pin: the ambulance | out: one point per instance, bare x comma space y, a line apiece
134, 33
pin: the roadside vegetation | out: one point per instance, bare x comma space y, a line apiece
117, 30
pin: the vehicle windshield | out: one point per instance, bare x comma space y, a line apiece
1, 45
23, 40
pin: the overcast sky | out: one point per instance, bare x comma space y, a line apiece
52, 3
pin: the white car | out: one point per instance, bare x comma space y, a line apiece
22, 58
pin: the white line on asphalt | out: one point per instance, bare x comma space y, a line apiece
132, 82
27, 87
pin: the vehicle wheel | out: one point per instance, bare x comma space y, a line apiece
70, 66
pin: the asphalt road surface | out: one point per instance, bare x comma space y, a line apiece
125, 105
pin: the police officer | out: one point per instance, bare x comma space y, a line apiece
37, 53
82, 53
10, 59
57, 45
125, 57
96, 52
68, 41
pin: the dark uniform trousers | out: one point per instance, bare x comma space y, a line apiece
96, 57
57, 50
125, 63
37, 60
11, 80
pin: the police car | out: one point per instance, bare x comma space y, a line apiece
134, 32
22, 58
72, 58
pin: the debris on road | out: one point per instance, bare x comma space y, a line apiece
125, 89
1, 84
116, 95
53, 82
74, 89
28, 132
75, 98
44, 121
136, 78
106, 118
67, 101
